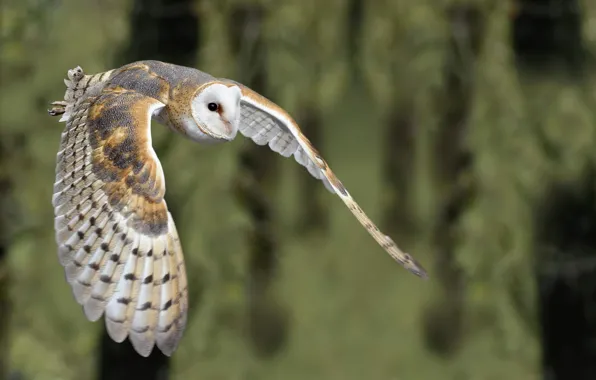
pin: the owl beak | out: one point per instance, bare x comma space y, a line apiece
230, 131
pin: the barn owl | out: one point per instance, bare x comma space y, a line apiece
116, 239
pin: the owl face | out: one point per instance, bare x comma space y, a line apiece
216, 110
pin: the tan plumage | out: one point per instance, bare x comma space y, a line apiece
116, 239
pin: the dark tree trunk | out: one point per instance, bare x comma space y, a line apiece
314, 216
255, 189
547, 40
547, 35
354, 28
121, 361
5, 306
166, 30
398, 170
566, 275
453, 162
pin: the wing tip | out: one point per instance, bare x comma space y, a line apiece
94, 309
419, 271
116, 330
168, 343
414, 267
143, 343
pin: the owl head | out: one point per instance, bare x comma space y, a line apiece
215, 110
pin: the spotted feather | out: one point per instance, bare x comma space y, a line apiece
116, 239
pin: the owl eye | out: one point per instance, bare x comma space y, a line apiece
212, 107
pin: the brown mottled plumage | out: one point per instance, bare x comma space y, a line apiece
117, 241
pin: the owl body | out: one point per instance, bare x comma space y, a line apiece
116, 239
172, 85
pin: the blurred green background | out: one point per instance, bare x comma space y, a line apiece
466, 128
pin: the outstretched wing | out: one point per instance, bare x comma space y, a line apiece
266, 123
117, 241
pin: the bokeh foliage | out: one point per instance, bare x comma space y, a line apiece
353, 313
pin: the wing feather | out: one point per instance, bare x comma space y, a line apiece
266, 123
265, 129
116, 239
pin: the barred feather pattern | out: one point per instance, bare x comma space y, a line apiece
265, 130
137, 280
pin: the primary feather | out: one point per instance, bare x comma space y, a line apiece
116, 239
